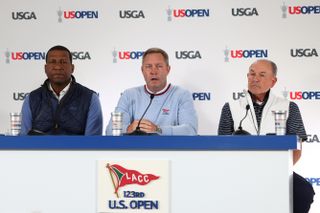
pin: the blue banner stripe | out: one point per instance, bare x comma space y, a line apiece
148, 142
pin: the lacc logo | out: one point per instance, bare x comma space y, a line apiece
201, 96
131, 14
188, 54
244, 12
23, 15
305, 95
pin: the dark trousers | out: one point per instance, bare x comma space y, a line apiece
302, 194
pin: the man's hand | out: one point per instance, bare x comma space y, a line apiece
145, 125
297, 153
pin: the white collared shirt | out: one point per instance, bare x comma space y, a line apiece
62, 93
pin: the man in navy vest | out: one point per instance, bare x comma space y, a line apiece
61, 106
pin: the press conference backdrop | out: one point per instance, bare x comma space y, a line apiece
210, 44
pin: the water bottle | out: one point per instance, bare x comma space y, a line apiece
116, 118
15, 123
280, 119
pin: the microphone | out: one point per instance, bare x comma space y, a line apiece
240, 131
35, 132
253, 120
137, 131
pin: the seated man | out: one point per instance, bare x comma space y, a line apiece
260, 102
61, 106
171, 109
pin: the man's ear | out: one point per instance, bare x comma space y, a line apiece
274, 81
45, 68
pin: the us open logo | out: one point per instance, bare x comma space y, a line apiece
121, 176
133, 186
130, 199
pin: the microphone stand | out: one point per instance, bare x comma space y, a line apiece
35, 132
240, 131
138, 131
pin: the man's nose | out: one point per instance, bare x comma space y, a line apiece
57, 66
154, 69
256, 78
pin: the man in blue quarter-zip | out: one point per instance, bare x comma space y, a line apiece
61, 106
171, 110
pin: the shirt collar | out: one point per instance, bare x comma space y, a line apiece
161, 92
62, 93
255, 101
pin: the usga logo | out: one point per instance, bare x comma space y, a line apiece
244, 11
313, 139
131, 14
19, 96
81, 55
192, 54
304, 52
23, 15
238, 95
